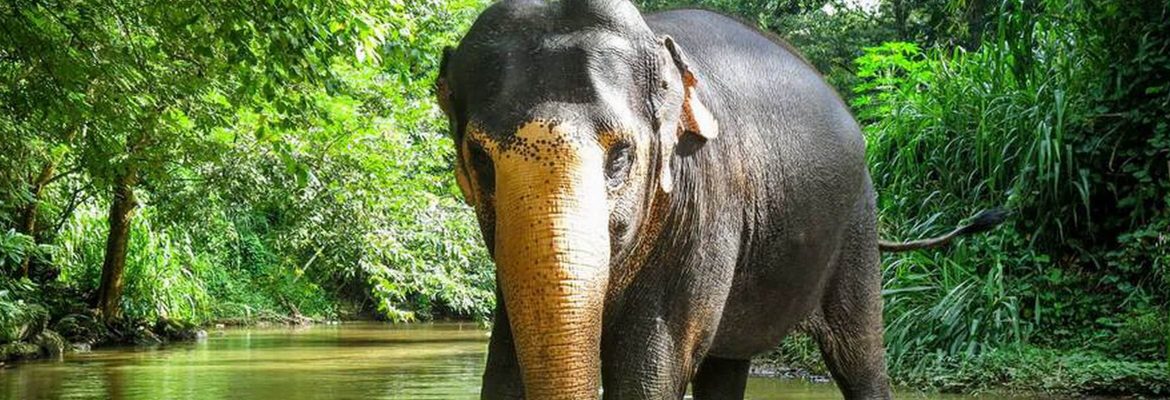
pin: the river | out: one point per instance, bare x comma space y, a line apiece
348, 361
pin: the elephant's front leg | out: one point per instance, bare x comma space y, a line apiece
657, 334
501, 377
648, 362
654, 356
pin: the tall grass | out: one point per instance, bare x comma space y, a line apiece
953, 131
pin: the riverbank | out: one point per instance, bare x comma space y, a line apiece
1022, 370
38, 336
49, 319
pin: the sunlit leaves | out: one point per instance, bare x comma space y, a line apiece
304, 116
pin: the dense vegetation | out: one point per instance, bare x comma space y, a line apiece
176, 163
242, 162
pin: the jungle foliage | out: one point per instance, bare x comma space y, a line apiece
284, 160
232, 162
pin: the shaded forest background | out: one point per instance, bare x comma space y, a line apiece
180, 163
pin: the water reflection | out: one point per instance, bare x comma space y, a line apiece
322, 362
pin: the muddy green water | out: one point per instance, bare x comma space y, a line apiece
349, 361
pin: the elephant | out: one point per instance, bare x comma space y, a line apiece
664, 196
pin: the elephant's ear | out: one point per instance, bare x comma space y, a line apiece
694, 118
443, 95
442, 88
470, 194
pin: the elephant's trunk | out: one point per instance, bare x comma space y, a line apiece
552, 255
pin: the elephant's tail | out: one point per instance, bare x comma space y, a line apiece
982, 222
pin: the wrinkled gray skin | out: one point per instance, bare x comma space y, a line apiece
768, 226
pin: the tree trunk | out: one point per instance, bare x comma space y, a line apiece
901, 15
121, 210
28, 219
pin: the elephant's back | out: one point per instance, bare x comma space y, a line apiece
792, 149
724, 47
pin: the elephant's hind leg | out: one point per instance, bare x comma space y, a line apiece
720, 379
848, 327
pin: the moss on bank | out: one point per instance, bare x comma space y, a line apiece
18, 351
85, 331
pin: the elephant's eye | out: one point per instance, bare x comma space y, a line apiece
485, 170
617, 164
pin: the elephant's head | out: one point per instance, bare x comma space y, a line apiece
565, 116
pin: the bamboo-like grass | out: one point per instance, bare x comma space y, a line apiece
950, 132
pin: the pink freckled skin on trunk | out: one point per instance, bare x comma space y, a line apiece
552, 255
